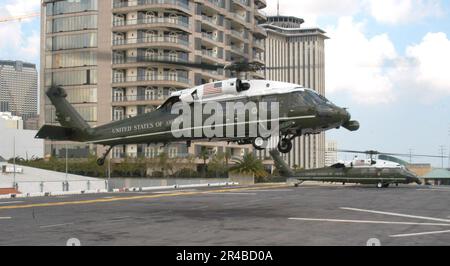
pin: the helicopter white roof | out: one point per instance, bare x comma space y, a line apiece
257, 88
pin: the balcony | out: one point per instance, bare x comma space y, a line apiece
261, 4
210, 37
260, 17
241, 35
127, 100
240, 18
237, 49
216, 3
259, 32
140, 3
166, 21
242, 3
212, 56
151, 79
259, 44
149, 59
258, 58
156, 40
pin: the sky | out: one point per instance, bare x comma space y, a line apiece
388, 61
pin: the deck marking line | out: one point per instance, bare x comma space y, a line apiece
421, 234
84, 202
365, 222
398, 214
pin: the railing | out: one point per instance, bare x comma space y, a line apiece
150, 2
237, 49
209, 19
238, 33
217, 3
152, 59
209, 36
165, 39
146, 21
150, 77
242, 2
209, 53
135, 98
240, 17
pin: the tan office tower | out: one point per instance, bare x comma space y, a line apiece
297, 55
98, 50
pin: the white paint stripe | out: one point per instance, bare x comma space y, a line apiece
438, 190
422, 234
5, 218
202, 127
365, 222
10, 202
398, 214
230, 193
55, 225
273, 190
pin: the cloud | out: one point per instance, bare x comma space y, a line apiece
20, 39
383, 11
403, 11
355, 63
310, 10
423, 73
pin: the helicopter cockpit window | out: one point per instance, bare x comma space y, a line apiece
167, 105
315, 97
302, 98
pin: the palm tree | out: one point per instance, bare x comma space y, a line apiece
204, 155
249, 165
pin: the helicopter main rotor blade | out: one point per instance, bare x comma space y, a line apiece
392, 154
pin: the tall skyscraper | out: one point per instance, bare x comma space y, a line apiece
331, 154
18, 88
99, 52
297, 55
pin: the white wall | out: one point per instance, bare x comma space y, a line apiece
26, 144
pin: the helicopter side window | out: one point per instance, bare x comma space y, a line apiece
195, 95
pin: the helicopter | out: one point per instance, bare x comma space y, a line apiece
381, 173
302, 111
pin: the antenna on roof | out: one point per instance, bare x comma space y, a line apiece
278, 8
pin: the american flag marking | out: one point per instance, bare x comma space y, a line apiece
211, 89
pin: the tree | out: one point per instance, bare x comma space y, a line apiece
204, 155
165, 163
217, 165
249, 165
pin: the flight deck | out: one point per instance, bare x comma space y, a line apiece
271, 214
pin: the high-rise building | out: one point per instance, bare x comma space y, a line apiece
331, 155
99, 51
297, 55
18, 88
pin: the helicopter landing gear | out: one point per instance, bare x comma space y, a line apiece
101, 161
260, 143
285, 145
382, 185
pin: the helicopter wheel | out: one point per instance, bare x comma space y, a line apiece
260, 143
101, 162
285, 145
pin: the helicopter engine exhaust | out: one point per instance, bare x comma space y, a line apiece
351, 125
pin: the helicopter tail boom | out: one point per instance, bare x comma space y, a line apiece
73, 126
